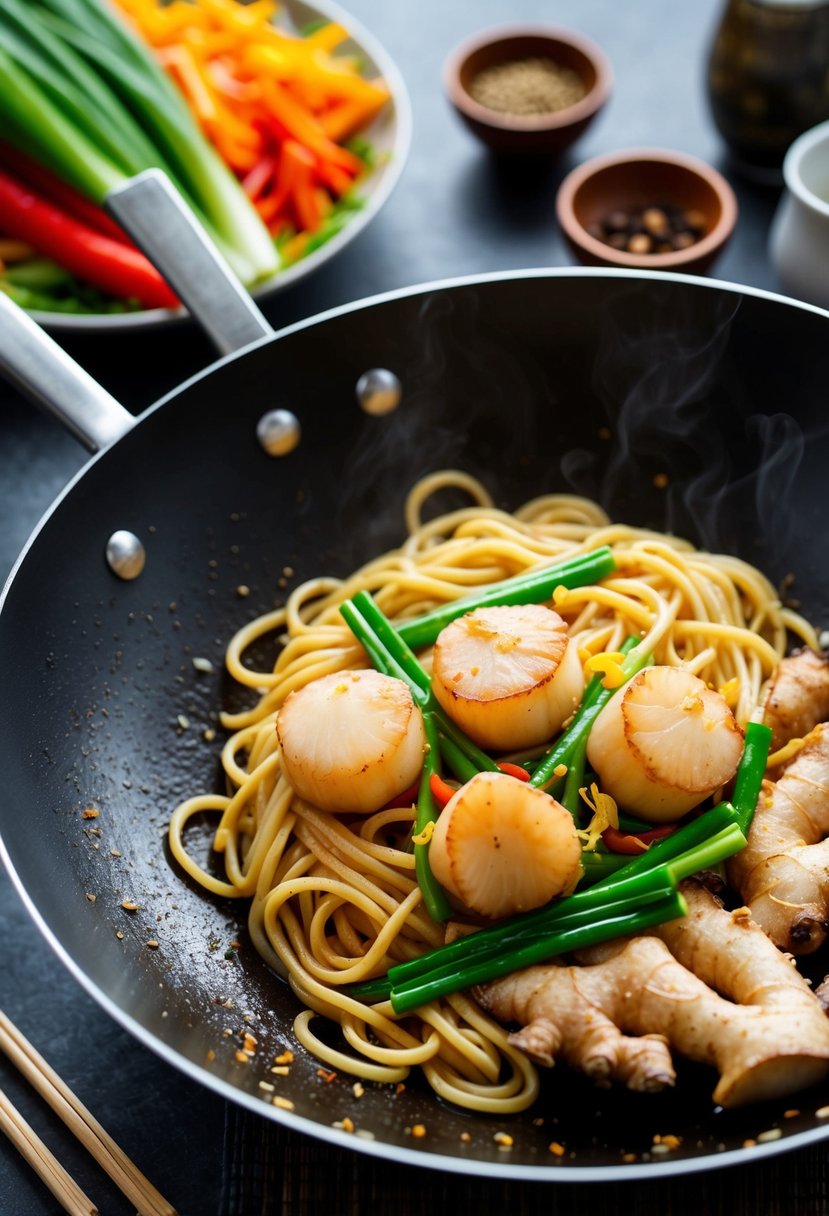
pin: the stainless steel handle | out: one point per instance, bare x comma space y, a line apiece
40, 368
155, 215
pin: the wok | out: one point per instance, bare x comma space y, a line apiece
579, 380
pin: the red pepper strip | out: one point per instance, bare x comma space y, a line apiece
70, 199
259, 178
513, 770
119, 269
638, 842
442, 791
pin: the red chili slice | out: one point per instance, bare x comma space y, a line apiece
634, 842
442, 791
513, 770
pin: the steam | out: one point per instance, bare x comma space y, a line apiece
680, 422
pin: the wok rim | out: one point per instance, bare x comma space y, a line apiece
299, 1124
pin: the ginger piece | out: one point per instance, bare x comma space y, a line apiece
577, 1013
797, 696
783, 872
774, 1042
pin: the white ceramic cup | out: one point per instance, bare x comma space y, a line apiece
799, 234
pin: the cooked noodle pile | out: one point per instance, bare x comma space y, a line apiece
334, 901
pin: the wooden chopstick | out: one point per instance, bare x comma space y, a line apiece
45, 1164
123, 1172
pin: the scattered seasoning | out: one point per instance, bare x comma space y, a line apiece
357, 1089
822, 1112
504, 1141
661, 481
556, 1149
242, 591
129, 905
790, 1114
183, 721
91, 897
774, 1133
266, 1085
119, 934
91, 812
209, 735
466, 1138
524, 87
241, 1057
283, 1103
203, 665
401, 1088
629, 1157
344, 1125
418, 1131
152, 944
211, 1055
281, 1070
327, 1076
646, 230
287, 1057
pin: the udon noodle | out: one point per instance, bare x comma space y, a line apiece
333, 900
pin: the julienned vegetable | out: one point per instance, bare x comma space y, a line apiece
82, 95
108, 264
277, 106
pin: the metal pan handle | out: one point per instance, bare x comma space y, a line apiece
43, 371
152, 211
163, 227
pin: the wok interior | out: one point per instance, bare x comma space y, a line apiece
677, 404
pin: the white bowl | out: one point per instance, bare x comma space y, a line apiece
799, 234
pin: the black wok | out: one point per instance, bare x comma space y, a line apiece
587, 381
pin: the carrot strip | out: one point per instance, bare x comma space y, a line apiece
277, 106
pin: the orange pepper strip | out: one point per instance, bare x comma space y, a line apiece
180, 63
305, 128
442, 791
345, 118
327, 37
335, 178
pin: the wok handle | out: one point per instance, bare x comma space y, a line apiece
155, 215
42, 370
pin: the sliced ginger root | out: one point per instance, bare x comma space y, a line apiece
617, 1016
783, 872
796, 697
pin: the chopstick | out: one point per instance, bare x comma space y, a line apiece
45, 1164
123, 1172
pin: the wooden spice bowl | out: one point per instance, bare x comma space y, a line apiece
633, 181
542, 134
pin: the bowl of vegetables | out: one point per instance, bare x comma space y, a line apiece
284, 126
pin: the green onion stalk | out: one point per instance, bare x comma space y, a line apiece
87, 98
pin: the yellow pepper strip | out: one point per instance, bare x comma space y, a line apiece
605, 815
609, 664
